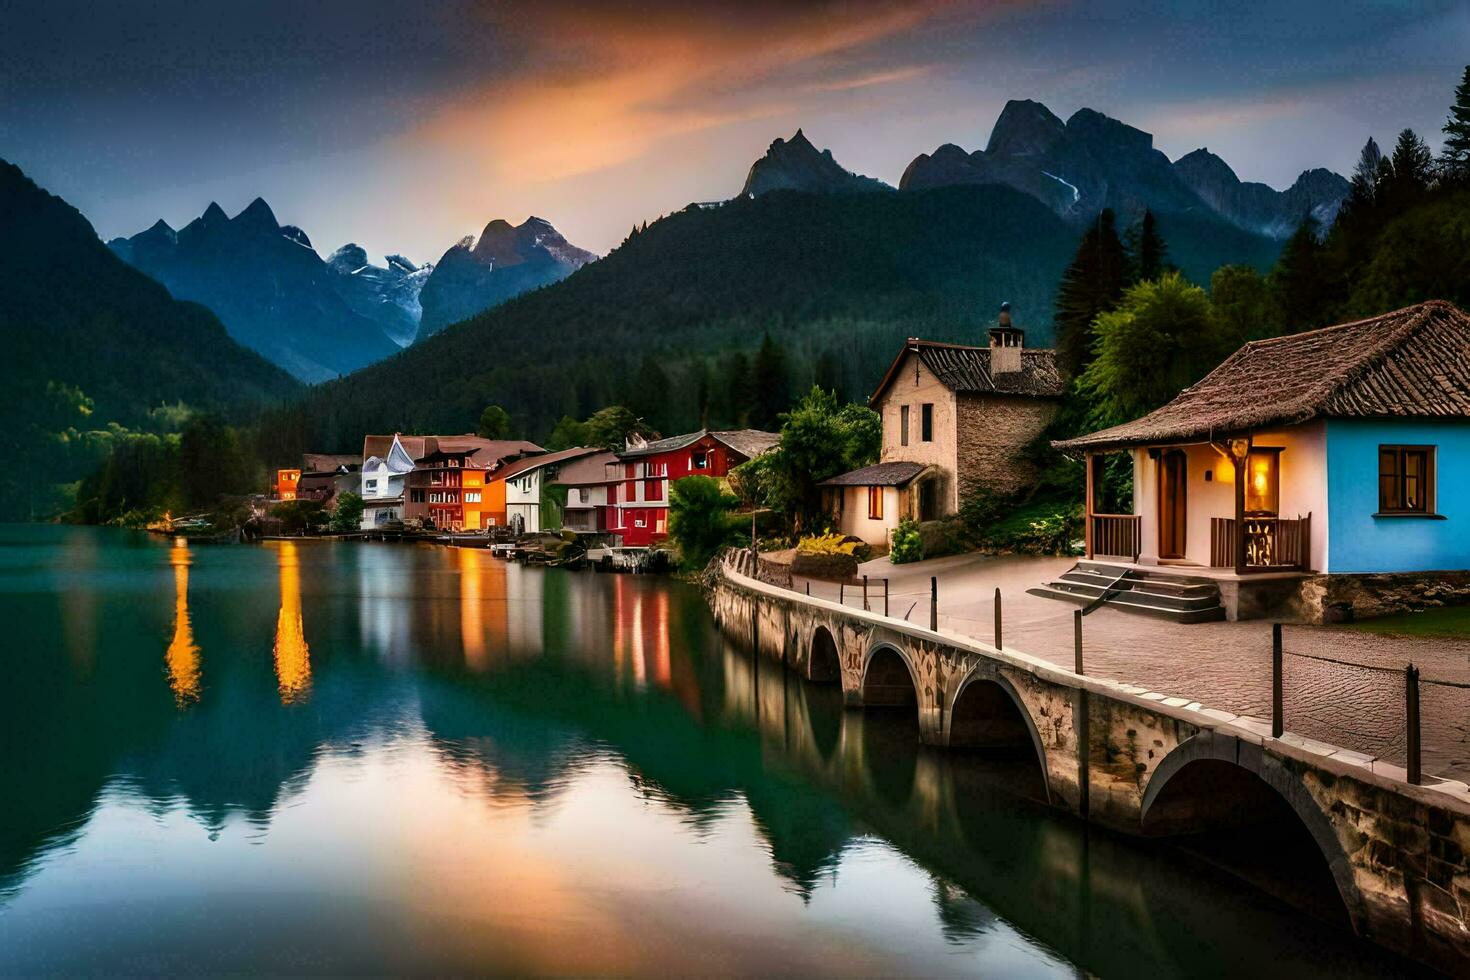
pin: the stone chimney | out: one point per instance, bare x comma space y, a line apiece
1006, 343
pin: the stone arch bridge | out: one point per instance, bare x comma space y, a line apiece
1139, 762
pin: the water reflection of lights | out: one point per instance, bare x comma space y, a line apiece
293, 656
182, 657
471, 605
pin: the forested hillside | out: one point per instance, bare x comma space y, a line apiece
838, 280
92, 345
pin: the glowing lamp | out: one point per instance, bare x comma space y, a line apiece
1262, 481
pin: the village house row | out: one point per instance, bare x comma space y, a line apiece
1335, 451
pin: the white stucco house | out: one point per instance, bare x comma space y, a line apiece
382, 485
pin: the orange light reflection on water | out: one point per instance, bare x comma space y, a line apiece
182, 656
293, 656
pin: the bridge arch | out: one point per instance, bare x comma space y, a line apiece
987, 712
1215, 783
889, 679
823, 662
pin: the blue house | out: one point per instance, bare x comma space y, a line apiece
1339, 451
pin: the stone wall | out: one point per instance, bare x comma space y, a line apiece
1343, 598
992, 432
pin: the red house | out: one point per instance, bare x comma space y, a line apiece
639, 479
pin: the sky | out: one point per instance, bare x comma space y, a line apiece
404, 127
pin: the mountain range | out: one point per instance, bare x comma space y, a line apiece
320, 319
1076, 168
91, 342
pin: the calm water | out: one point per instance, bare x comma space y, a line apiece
346, 758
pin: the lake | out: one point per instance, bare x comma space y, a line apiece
324, 757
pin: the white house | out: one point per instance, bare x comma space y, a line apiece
382, 485
523, 481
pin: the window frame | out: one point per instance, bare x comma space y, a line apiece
926, 422
1429, 477
903, 425
875, 503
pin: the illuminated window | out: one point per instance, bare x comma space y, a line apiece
875, 503
1263, 481
1406, 479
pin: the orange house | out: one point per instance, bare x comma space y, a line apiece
285, 486
472, 484
492, 507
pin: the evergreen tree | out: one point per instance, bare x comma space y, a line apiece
1456, 156
829, 374
1366, 177
771, 384
1301, 282
1147, 249
1092, 284
650, 395
738, 396
702, 395
1410, 172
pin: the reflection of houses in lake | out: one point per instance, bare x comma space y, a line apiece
292, 655
182, 657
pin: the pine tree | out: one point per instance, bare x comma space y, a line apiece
771, 384
1410, 172
1147, 249
736, 411
650, 395
1092, 284
1300, 283
1366, 177
1456, 155
829, 374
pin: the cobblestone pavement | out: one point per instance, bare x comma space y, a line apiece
1224, 665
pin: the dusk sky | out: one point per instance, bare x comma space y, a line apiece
404, 126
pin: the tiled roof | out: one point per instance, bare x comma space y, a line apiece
548, 459
747, 442
328, 462
966, 370
1413, 362
489, 452
588, 470
877, 475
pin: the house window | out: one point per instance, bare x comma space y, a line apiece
1406, 479
639, 522
436, 478
903, 425
653, 489
926, 423
1263, 482
655, 469
416, 496
699, 460
875, 503
472, 496
372, 484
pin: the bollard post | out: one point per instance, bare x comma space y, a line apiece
865, 593
934, 603
1077, 638
1277, 721
997, 617
842, 593
885, 595
1411, 716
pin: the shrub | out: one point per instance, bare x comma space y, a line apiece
907, 543
348, 515
700, 521
828, 544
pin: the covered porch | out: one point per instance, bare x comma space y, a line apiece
1241, 505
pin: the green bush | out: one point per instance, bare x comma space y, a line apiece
348, 515
700, 519
907, 544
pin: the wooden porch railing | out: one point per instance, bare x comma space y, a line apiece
1271, 543
1117, 535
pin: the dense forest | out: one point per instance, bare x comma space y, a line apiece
671, 322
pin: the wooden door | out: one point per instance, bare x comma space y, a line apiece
1173, 508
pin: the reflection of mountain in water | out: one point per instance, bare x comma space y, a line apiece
521, 679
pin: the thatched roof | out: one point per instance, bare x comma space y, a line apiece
1411, 363
966, 370
878, 475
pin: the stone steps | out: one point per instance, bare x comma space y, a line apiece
1178, 598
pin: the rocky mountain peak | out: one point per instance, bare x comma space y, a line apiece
796, 164
1024, 128
349, 258
257, 216
401, 264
